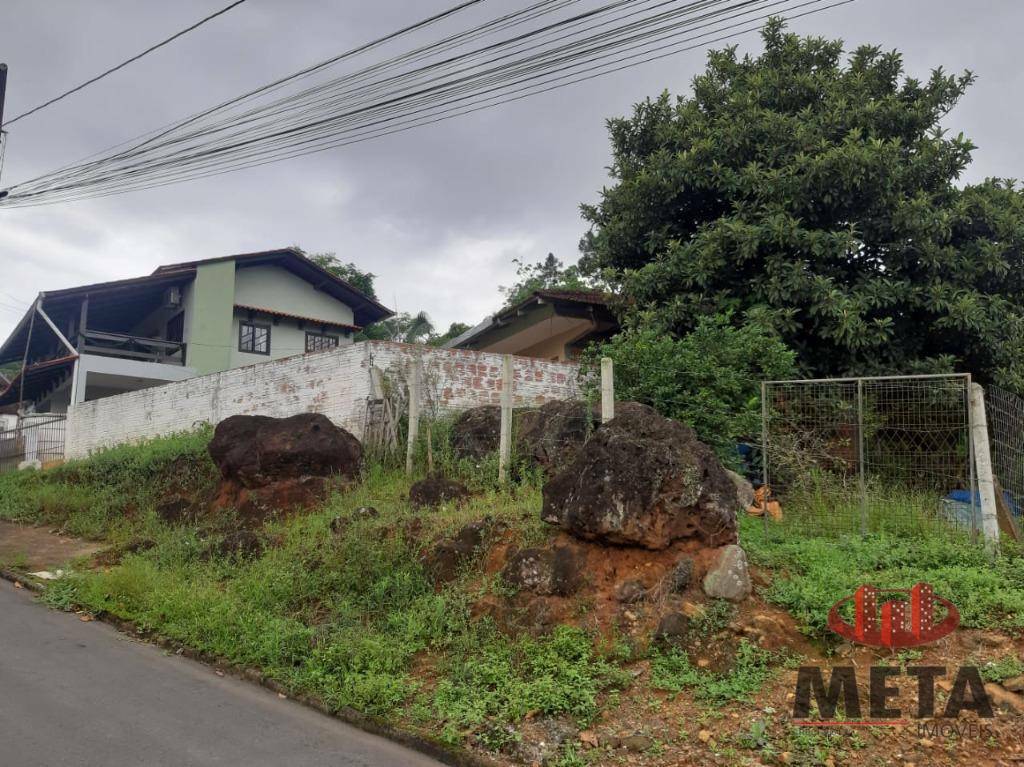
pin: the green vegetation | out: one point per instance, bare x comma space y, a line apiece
814, 573
342, 606
817, 192
345, 616
1002, 668
709, 378
102, 497
549, 274
672, 671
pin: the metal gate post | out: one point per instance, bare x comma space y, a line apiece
860, 458
764, 455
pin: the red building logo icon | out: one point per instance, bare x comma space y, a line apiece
902, 623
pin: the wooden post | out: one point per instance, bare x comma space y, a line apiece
983, 462
607, 389
505, 440
414, 413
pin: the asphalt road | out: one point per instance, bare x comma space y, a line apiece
82, 694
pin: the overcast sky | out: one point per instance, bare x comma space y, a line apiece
437, 213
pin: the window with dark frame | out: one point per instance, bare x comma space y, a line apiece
253, 338
318, 341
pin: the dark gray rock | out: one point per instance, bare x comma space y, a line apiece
256, 450
681, 576
643, 480
544, 572
436, 491
672, 628
476, 432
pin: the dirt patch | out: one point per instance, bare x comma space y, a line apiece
37, 548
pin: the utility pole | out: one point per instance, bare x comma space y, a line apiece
3, 94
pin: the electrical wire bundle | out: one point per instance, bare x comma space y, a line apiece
545, 45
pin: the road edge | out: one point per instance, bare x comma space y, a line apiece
347, 715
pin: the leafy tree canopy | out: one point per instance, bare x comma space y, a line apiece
710, 378
406, 327
352, 274
549, 274
819, 197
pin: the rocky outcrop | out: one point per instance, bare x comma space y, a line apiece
436, 491
545, 572
275, 464
449, 557
475, 432
256, 450
643, 480
744, 490
551, 436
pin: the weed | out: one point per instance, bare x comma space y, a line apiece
1002, 668
813, 573
672, 671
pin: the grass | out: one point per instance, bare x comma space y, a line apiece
99, 497
815, 572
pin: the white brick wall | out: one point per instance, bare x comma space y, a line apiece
335, 383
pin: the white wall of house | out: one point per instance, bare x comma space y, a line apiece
277, 289
286, 338
335, 383
272, 287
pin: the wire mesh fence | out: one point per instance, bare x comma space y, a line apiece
861, 455
1005, 412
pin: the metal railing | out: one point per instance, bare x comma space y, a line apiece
128, 346
37, 440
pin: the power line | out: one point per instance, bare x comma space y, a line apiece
125, 63
428, 84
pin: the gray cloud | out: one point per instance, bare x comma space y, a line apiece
438, 213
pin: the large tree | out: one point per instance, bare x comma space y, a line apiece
819, 196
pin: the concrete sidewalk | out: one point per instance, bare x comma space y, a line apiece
82, 694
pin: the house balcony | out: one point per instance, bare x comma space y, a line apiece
103, 343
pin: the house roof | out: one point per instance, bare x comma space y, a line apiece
366, 310
121, 296
310, 320
39, 379
585, 300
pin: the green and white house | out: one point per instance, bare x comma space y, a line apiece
183, 320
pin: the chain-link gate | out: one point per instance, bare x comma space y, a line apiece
861, 455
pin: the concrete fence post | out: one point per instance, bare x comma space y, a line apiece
505, 439
607, 389
983, 464
414, 413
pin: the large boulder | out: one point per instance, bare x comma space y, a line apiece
643, 480
256, 450
551, 436
475, 432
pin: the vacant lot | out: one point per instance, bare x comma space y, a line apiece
345, 602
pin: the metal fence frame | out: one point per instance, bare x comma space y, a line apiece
954, 424
36, 437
